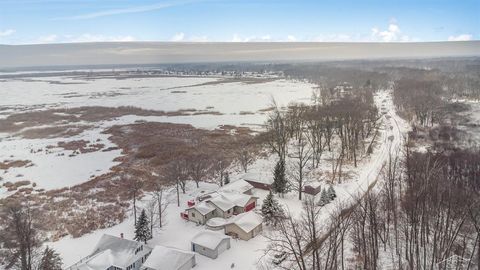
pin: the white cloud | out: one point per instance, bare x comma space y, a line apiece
135, 9
291, 38
178, 37
99, 38
87, 37
236, 38
48, 39
333, 38
391, 34
7, 32
198, 39
462, 37
264, 38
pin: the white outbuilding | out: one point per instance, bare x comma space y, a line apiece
210, 243
168, 258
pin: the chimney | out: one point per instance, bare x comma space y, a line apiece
121, 235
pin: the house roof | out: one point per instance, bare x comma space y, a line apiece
247, 221
238, 199
203, 208
167, 258
258, 178
112, 251
222, 202
209, 239
240, 186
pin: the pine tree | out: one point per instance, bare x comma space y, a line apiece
279, 181
331, 193
324, 199
50, 260
272, 212
142, 229
226, 180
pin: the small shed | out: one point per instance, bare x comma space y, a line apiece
168, 258
245, 226
210, 244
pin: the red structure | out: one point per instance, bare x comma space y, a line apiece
250, 206
191, 203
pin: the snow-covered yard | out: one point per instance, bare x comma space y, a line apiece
249, 254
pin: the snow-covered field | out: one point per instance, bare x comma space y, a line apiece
237, 103
249, 254
158, 93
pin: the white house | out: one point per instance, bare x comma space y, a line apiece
223, 206
220, 204
245, 226
200, 213
114, 253
242, 202
167, 258
240, 186
210, 244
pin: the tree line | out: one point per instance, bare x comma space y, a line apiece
300, 134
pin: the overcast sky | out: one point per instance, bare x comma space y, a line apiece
59, 21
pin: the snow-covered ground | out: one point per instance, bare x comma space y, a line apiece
159, 93
249, 254
240, 104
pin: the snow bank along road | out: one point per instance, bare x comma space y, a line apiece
393, 137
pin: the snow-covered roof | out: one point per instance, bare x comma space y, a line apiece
238, 199
247, 221
258, 178
112, 251
222, 202
209, 239
203, 208
240, 186
167, 258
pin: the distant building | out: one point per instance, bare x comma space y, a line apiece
210, 244
312, 189
245, 226
167, 258
258, 180
114, 253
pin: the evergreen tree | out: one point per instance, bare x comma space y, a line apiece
324, 199
226, 180
331, 193
279, 180
50, 260
272, 212
142, 228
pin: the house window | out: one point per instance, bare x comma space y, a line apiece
193, 214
